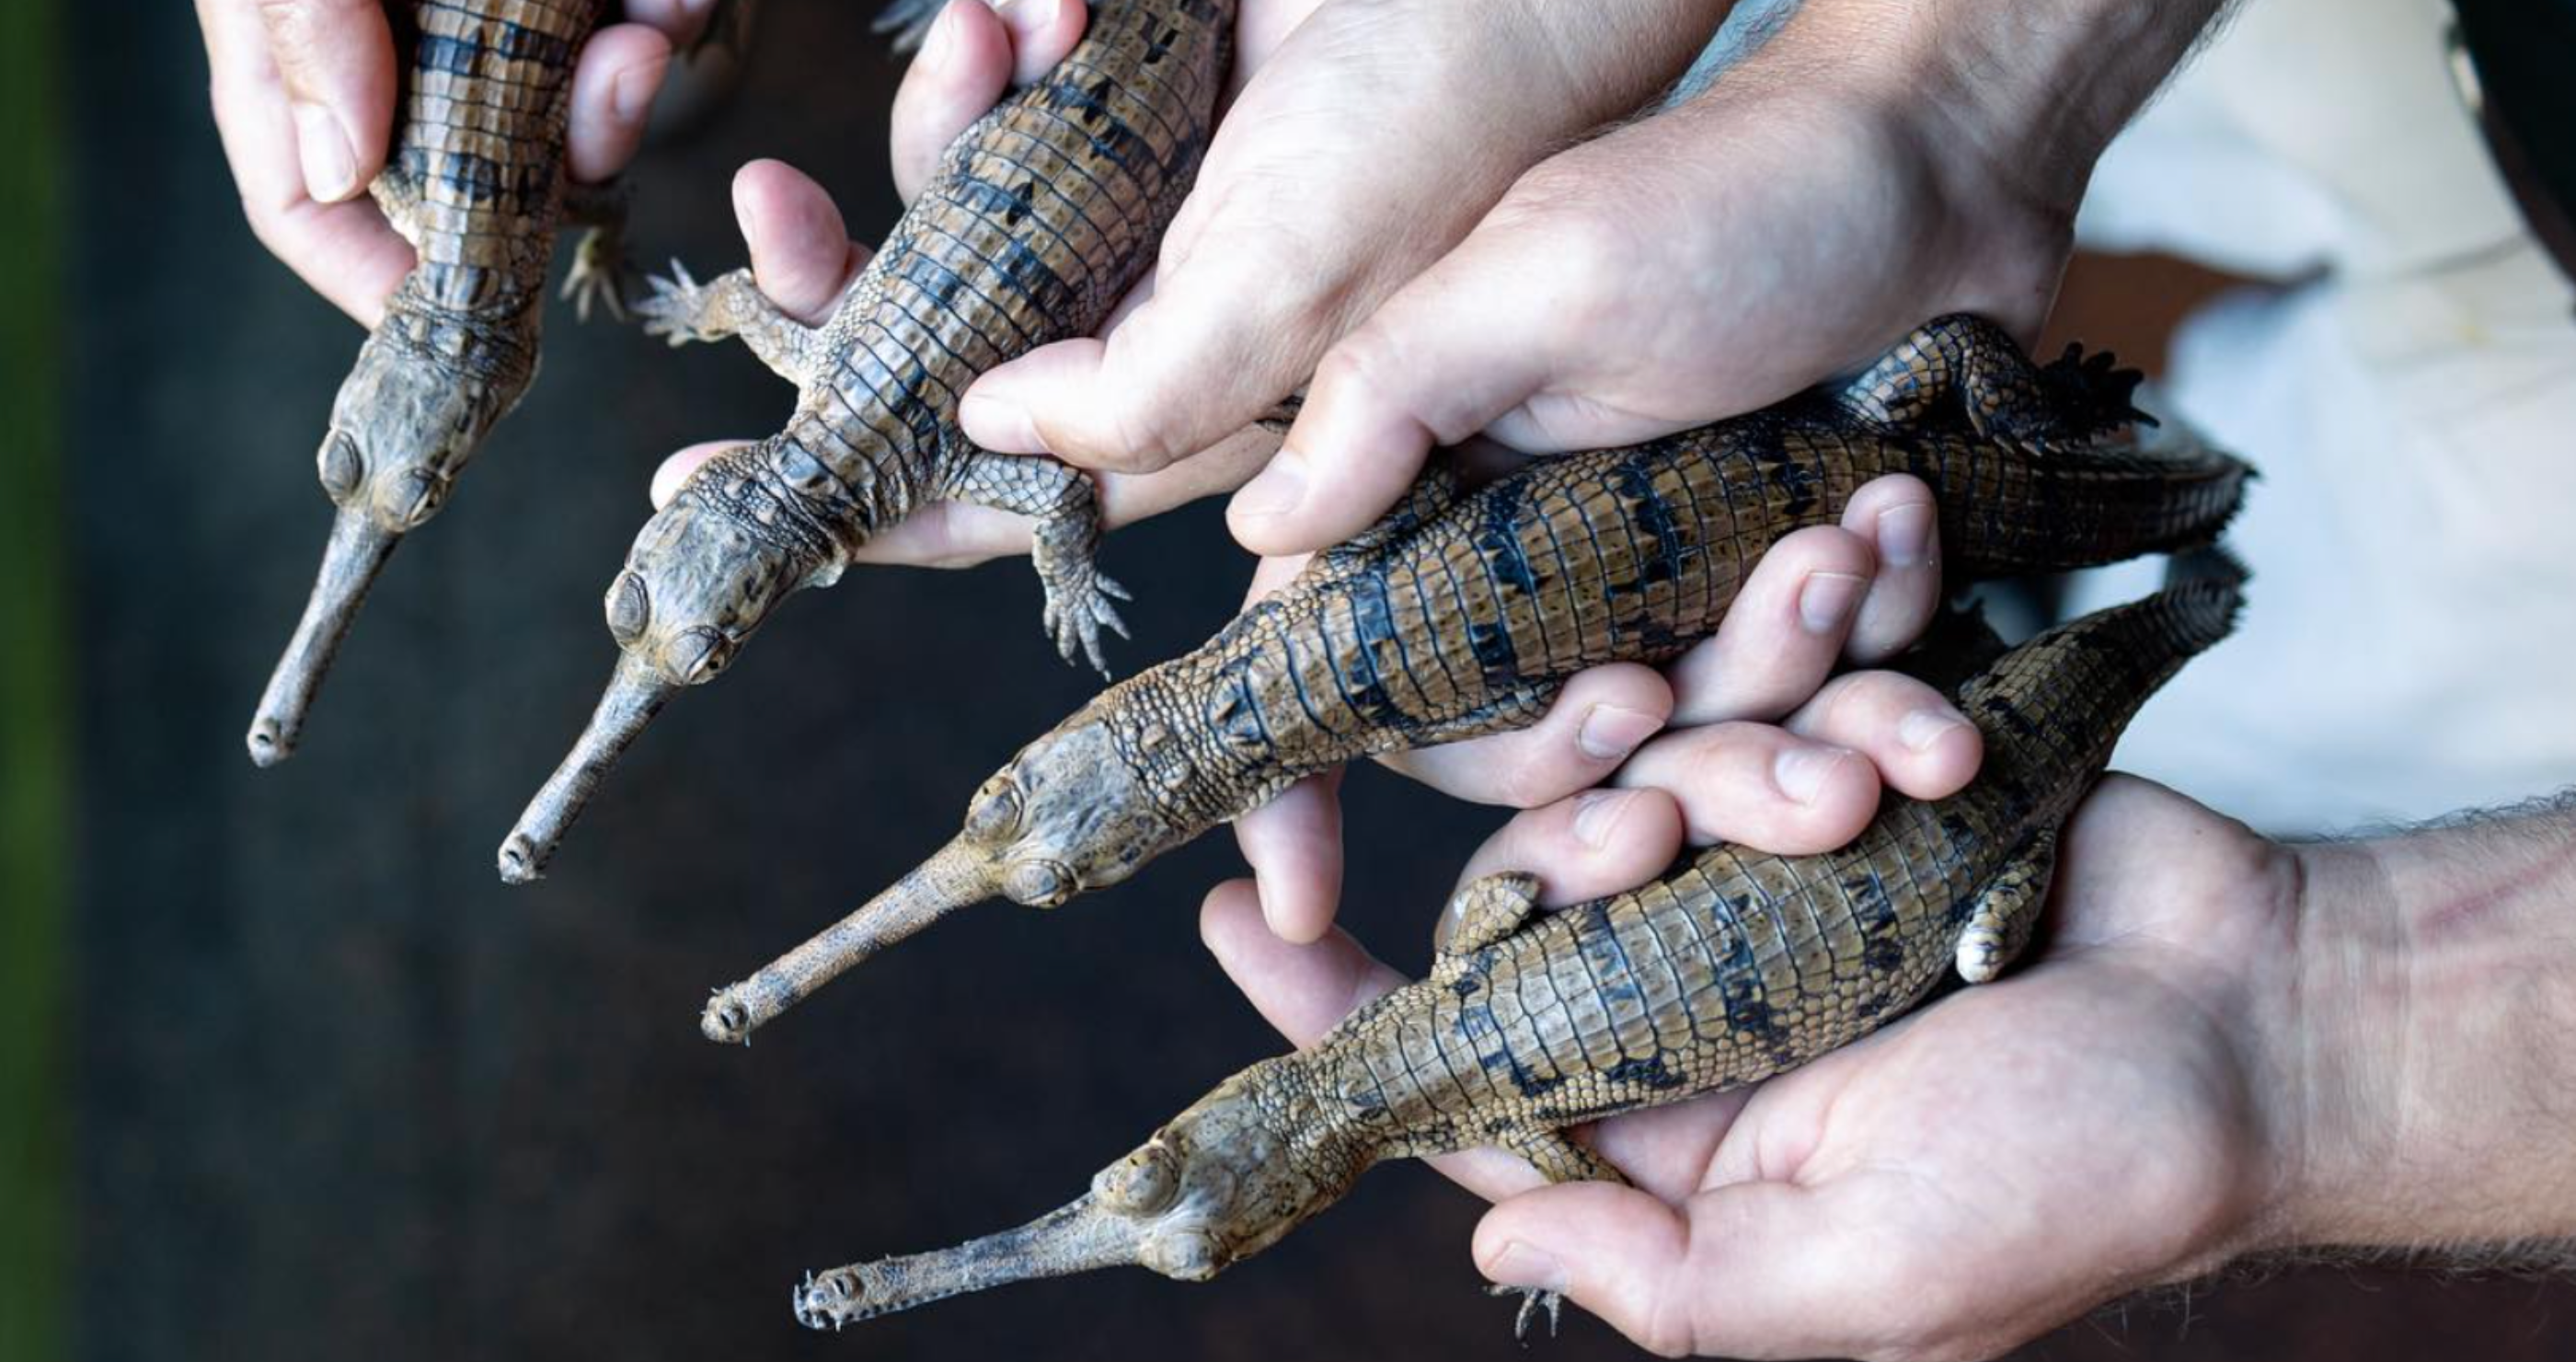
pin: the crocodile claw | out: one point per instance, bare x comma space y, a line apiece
597, 277
1077, 611
1533, 1300
675, 308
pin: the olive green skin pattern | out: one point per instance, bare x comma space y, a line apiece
1733, 967
1463, 613
476, 182
1040, 217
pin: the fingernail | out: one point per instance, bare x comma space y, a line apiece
1277, 491
1596, 812
1905, 535
630, 96
330, 162
1521, 1265
999, 424
1924, 727
1800, 771
1827, 601
1610, 732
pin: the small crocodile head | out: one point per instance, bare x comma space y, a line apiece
697, 583
1073, 812
1223, 1181
407, 420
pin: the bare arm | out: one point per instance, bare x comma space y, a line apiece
2436, 1002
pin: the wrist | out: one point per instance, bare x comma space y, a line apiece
2014, 100
2435, 980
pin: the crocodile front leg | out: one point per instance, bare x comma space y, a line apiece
1067, 547
731, 306
1560, 1160
599, 270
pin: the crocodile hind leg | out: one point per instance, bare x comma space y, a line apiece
1560, 1160
1970, 362
2000, 924
731, 305
1066, 550
599, 272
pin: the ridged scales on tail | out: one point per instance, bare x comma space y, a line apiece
1732, 968
476, 182
1042, 215
1464, 612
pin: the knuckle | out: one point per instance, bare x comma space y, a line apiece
1357, 367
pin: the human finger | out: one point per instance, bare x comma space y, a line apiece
346, 251
801, 253
335, 61
1782, 634
1760, 787
1601, 716
614, 81
970, 58
1919, 742
1294, 845
1897, 516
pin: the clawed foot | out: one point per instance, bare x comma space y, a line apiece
1078, 608
598, 276
1533, 1300
2091, 394
678, 308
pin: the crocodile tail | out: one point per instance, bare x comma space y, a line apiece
2208, 563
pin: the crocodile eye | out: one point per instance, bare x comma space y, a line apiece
696, 656
341, 466
413, 498
1142, 1183
1189, 1255
995, 814
630, 608
1038, 884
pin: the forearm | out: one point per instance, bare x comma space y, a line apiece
2435, 1006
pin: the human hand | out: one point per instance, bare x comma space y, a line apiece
2123, 1109
303, 94
1858, 593
1317, 211
1866, 168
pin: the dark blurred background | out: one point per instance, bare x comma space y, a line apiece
291, 1075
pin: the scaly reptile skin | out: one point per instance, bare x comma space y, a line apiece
1041, 217
476, 183
1731, 969
1462, 616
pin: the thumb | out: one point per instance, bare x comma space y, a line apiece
1753, 1269
336, 60
1463, 344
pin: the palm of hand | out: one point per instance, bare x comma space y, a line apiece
2098, 1121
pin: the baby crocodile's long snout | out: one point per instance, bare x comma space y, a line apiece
356, 553
961, 874
635, 694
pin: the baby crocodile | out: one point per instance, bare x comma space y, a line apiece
1462, 614
1732, 968
1040, 218
477, 184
